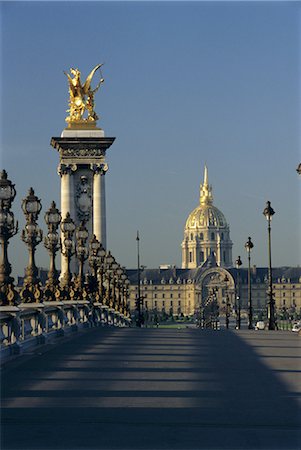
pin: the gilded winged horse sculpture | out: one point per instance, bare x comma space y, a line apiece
81, 97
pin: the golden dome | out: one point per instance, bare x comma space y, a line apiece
205, 215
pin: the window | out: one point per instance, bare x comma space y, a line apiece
163, 296
191, 236
145, 295
212, 236
170, 295
190, 256
283, 294
224, 256
179, 302
293, 294
155, 303
163, 304
145, 303
155, 295
222, 236
201, 236
179, 295
201, 256
171, 303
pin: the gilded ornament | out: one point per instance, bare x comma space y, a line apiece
81, 99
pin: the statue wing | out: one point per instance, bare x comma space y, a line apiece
87, 83
70, 83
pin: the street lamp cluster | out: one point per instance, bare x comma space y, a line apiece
271, 314
105, 283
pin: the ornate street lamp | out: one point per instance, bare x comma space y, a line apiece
102, 255
269, 212
94, 263
108, 270
32, 235
82, 235
227, 303
139, 299
119, 272
94, 255
67, 228
123, 291
114, 279
52, 243
248, 246
126, 296
8, 228
238, 263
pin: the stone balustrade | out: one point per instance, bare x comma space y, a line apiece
32, 324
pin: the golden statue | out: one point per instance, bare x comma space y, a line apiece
82, 98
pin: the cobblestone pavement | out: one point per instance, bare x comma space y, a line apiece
156, 389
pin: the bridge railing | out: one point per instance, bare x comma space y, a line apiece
29, 325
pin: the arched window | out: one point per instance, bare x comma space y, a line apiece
212, 236
222, 236
201, 236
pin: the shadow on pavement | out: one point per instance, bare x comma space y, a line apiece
150, 389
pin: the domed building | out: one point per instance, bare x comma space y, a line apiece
206, 233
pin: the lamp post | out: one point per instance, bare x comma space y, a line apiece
269, 212
119, 284
94, 263
102, 254
114, 276
238, 263
139, 300
227, 303
108, 269
248, 246
126, 296
52, 243
67, 228
123, 291
81, 234
8, 228
32, 235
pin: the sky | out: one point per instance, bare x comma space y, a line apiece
186, 84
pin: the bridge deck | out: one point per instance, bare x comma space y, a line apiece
156, 389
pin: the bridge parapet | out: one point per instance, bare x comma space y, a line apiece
29, 325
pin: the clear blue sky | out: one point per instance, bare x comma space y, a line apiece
185, 84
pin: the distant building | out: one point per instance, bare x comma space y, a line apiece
181, 291
207, 270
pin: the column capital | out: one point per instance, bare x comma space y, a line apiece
64, 169
99, 168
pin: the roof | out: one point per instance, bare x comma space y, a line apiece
180, 276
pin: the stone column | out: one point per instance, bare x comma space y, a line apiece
67, 200
99, 202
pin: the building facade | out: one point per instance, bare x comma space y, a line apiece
183, 292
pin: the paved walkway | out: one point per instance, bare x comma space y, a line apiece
156, 389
